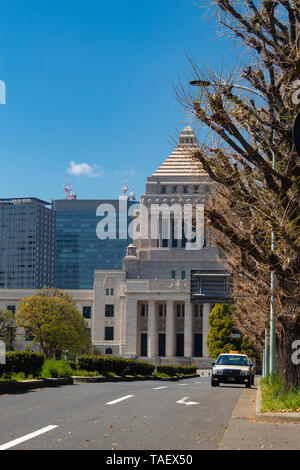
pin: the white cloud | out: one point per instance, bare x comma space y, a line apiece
84, 169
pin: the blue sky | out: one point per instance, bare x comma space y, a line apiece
90, 90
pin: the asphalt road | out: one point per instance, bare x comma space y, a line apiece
141, 415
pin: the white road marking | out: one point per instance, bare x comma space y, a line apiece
159, 388
182, 385
119, 399
182, 401
27, 437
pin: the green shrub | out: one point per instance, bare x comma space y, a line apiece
117, 365
28, 362
114, 365
176, 370
92, 363
72, 364
55, 369
139, 368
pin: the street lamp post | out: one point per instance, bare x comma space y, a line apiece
269, 365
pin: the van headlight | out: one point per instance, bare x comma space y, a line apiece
218, 372
245, 371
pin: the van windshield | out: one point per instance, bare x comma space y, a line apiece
229, 360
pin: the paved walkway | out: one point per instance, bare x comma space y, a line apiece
245, 432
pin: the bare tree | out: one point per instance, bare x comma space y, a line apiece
249, 113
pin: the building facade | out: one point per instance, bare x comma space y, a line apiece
157, 306
79, 250
27, 244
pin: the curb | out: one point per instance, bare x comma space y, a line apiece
77, 380
23, 386
284, 417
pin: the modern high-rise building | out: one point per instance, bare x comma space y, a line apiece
27, 244
80, 247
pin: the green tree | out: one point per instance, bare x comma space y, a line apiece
7, 330
54, 322
219, 339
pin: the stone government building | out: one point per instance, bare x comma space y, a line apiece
156, 307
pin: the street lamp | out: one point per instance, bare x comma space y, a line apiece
271, 367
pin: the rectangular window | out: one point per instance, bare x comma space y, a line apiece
109, 333
173, 275
109, 310
111, 291
163, 190
161, 310
11, 308
87, 312
106, 291
182, 275
143, 310
174, 189
185, 189
180, 310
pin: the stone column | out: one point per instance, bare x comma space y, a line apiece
206, 312
151, 342
170, 329
188, 323
131, 326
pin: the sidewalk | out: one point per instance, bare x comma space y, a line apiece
245, 432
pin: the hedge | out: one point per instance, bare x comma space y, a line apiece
175, 370
118, 365
139, 368
28, 362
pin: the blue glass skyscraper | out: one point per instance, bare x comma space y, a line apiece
79, 251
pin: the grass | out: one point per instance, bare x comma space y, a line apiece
86, 373
275, 398
161, 374
54, 369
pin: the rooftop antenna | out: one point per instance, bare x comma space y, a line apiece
72, 195
67, 189
125, 188
132, 193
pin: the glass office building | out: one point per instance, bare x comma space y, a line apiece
79, 250
27, 244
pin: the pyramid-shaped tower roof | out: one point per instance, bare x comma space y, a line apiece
181, 161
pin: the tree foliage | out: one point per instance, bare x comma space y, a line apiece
7, 330
250, 156
221, 327
7, 321
54, 322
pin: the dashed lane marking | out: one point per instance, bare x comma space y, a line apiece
15, 442
119, 399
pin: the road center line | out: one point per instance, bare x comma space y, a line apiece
27, 437
159, 388
119, 399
